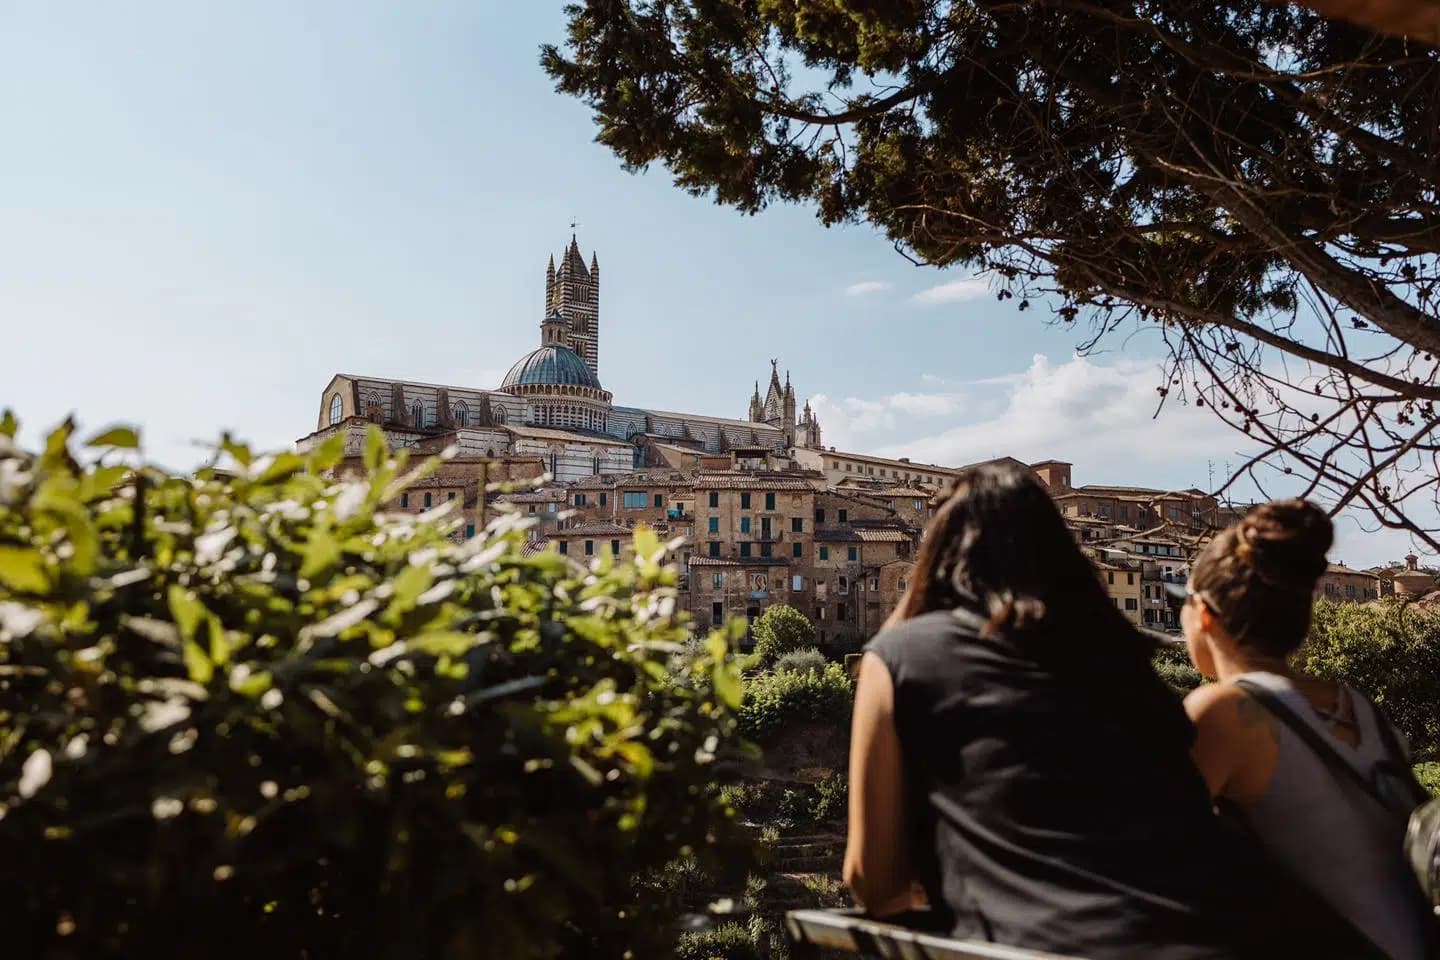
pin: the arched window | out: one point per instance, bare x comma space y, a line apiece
499, 413
335, 408
462, 414
417, 414
373, 408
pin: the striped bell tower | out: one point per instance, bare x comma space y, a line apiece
573, 291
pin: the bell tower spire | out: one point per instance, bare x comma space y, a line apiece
574, 295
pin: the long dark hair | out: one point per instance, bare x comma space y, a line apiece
998, 548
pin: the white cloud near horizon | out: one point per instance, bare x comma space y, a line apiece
1079, 406
1099, 415
955, 291
866, 287
847, 421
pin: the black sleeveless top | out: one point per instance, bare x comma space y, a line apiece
1052, 802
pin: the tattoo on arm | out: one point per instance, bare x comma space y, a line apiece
1252, 714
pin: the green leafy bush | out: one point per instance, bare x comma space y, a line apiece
780, 629
804, 660
247, 712
831, 799
1173, 665
778, 700
1389, 650
728, 941
1429, 776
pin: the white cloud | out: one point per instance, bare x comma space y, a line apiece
1078, 409
956, 291
866, 287
926, 404
1098, 414
849, 420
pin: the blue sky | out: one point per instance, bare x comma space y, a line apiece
207, 210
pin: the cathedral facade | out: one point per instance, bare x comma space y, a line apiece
551, 404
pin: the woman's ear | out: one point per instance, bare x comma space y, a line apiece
1207, 621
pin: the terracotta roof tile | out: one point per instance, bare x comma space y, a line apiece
882, 535
739, 561
596, 528
742, 480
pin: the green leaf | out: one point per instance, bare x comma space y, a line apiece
186, 609
282, 466
444, 642
327, 454
239, 452
374, 448
727, 685
647, 544
116, 438
251, 685
321, 552
58, 440
197, 664
23, 569
9, 426
409, 584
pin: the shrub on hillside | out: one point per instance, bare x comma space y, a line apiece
728, 941
1173, 665
1429, 776
778, 700
1389, 650
831, 799
780, 629
804, 660
247, 713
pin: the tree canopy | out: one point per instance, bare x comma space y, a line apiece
1253, 182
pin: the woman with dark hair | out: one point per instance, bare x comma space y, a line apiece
1016, 764
1015, 757
1314, 769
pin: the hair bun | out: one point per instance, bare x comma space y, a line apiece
1285, 543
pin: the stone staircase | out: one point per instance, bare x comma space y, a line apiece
797, 864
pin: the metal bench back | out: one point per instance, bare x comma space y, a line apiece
850, 932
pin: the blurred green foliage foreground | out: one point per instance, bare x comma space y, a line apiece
248, 713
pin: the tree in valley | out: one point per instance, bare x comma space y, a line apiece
1254, 183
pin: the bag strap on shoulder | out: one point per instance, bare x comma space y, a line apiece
1310, 736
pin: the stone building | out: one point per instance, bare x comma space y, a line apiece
551, 404
1341, 583
1139, 507
1124, 584
763, 511
1405, 582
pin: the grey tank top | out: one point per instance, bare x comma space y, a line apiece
1330, 833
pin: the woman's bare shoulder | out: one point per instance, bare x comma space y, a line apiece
1212, 701
1226, 707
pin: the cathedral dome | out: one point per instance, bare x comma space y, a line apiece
551, 366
